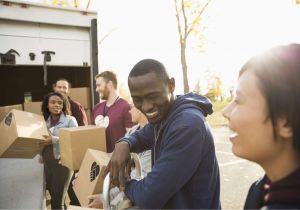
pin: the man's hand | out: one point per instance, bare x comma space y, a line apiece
95, 201
119, 165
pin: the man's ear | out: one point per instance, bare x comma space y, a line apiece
284, 129
171, 85
53, 86
110, 84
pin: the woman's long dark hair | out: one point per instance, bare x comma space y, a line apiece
45, 110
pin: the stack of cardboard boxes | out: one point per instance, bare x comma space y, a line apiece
33, 107
83, 96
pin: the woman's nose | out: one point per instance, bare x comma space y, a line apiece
226, 111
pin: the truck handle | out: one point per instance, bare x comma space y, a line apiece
47, 58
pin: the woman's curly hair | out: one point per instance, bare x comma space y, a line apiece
45, 110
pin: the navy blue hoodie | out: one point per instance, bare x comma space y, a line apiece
185, 172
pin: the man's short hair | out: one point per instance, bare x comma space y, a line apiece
62, 79
108, 76
146, 66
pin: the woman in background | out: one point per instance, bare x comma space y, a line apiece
58, 177
140, 121
265, 123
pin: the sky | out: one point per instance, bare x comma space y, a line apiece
235, 31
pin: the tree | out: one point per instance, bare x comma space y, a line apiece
197, 88
188, 15
70, 3
214, 88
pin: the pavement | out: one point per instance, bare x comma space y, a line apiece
21, 184
236, 177
236, 174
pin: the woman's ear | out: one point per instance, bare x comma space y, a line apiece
284, 129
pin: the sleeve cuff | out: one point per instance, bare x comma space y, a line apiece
125, 140
55, 139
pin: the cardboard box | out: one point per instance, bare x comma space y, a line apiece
71, 207
33, 107
74, 143
5, 109
90, 175
89, 115
81, 95
20, 133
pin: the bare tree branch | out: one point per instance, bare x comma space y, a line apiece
88, 4
178, 21
184, 18
198, 17
106, 35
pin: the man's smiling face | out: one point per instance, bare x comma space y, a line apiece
151, 95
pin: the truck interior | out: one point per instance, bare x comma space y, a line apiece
18, 79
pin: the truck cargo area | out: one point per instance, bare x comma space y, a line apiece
18, 79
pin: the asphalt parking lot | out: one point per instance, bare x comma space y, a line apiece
236, 174
236, 177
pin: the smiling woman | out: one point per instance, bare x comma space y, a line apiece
265, 125
58, 177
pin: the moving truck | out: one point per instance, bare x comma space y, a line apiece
38, 44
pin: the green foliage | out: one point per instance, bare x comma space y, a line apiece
214, 92
217, 119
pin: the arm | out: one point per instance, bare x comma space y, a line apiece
181, 153
72, 122
119, 164
140, 140
127, 118
80, 115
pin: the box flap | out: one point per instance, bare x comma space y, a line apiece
29, 124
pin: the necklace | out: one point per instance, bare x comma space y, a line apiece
106, 108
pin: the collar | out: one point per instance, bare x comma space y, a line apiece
62, 118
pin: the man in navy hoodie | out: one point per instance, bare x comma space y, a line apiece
185, 172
